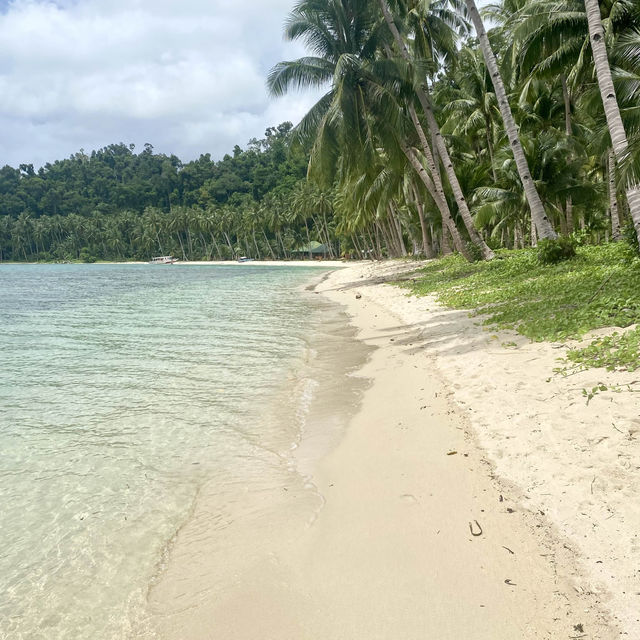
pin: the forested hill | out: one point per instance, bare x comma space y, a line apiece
117, 178
116, 204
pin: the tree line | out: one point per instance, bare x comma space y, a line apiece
434, 134
116, 204
437, 132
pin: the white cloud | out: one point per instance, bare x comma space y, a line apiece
187, 76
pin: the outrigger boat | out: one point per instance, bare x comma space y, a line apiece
163, 260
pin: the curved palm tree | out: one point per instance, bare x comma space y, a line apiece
538, 214
426, 45
617, 131
343, 35
341, 128
470, 104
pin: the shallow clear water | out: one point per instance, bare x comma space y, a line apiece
123, 389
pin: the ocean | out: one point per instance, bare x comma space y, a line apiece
126, 389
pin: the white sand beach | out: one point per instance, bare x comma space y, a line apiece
474, 494
574, 464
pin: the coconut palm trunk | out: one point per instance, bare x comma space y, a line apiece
306, 228
461, 201
611, 109
426, 245
392, 249
273, 255
447, 220
392, 237
215, 244
441, 147
545, 230
534, 235
613, 200
432, 163
327, 235
377, 238
356, 245
228, 239
184, 255
569, 131
446, 244
396, 226
255, 244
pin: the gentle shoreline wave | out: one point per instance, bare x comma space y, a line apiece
125, 391
305, 418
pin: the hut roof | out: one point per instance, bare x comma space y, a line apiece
313, 247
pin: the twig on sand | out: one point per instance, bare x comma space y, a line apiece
599, 289
479, 529
509, 550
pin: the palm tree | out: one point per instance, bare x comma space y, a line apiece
538, 214
6, 224
470, 103
342, 34
341, 126
439, 147
617, 131
552, 40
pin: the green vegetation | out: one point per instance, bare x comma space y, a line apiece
617, 351
630, 237
433, 137
427, 140
600, 287
554, 250
116, 204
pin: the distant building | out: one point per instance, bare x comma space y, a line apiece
313, 249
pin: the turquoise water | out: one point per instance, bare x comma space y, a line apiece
122, 390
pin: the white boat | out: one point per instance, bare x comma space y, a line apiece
245, 259
163, 260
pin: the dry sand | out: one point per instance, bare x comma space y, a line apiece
456, 435
574, 462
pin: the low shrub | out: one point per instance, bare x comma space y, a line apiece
621, 350
553, 251
630, 236
474, 251
85, 256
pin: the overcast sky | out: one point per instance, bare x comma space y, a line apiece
188, 76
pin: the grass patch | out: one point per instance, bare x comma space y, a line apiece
600, 287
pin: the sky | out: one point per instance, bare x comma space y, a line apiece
187, 76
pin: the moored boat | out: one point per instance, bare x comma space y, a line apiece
163, 260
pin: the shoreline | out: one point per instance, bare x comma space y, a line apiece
229, 533
326, 264
393, 550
